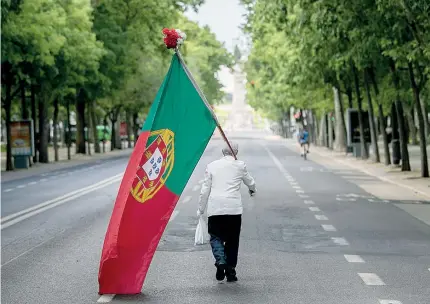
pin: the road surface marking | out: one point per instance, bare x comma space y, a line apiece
43, 180
21, 186
32, 183
340, 241
300, 191
353, 258
27, 251
296, 187
321, 217
174, 214
371, 279
309, 203
314, 209
32, 211
329, 228
8, 190
277, 162
389, 302
303, 196
106, 298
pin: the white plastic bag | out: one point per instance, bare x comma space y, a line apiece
202, 236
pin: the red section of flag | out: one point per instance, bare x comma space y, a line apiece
128, 248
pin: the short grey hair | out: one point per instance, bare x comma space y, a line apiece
226, 150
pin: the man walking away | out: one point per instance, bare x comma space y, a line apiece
220, 193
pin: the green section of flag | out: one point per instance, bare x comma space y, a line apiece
179, 108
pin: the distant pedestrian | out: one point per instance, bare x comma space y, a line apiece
220, 193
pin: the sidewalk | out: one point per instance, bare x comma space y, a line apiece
391, 174
63, 163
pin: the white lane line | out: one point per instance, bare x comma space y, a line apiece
27, 251
340, 241
314, 209
321, 217
296, 187
352, 258
329, 228
309, 203
300, 191
186, 199
277, 162
303, 196
43, 180
8, 190
32, 183
21, 186
196, 187
389, 302
174, 214
371, 279
32, 211
106, 298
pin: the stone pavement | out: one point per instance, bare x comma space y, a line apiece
63, 163
391, 174
407, 190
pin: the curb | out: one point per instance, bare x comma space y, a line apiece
380, 177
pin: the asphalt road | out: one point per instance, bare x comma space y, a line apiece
309, 236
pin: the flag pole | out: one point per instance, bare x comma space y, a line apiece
203, 97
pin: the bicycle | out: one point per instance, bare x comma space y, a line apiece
305, 150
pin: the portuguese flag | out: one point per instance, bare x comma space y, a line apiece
175, 135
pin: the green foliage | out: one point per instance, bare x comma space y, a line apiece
301, 48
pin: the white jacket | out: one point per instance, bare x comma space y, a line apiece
220, 191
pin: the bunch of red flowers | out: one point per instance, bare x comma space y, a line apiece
173, 38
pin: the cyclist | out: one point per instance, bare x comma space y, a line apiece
304, 139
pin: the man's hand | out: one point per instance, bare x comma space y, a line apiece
251, 193
199, 213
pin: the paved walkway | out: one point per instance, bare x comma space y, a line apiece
63, 163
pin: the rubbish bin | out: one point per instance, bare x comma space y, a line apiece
395, 146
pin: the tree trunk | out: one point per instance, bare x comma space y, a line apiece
322, 131
364, 152
387, 158
401, 120
135, 127
350, 102
395, 142
55, 123
105, 127
374, 137
88, 128
425, 117
340, 143
382, 122
93, 123
421, 124
8, 112
129, 129
411, 126
34, 118
24, 109
330, 130
69, 130
80, 123
43, 128
113, 134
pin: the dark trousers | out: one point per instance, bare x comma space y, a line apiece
225, 233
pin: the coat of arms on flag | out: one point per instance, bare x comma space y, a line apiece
155, 166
